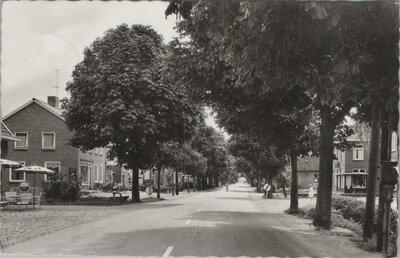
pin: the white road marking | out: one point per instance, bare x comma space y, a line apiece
187, 222
167, 252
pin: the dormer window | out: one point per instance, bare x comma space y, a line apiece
48, 141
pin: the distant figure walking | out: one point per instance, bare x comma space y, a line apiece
266, 188
311, 192
227, 187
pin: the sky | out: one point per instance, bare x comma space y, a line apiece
41, 37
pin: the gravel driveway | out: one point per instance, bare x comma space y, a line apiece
18, 226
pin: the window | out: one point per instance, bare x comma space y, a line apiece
52, 165
359, 171
96, 174
359, 181
101, 174
358, 152
17, 176
85, 173
316, 178
23, 143
48, 141
394, 142
101, 151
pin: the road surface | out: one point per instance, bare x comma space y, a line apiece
212, 223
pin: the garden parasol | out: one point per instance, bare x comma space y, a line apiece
10, 163
35, 170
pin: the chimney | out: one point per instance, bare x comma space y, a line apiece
53, 101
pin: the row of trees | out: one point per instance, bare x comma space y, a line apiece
124, 95
282, 77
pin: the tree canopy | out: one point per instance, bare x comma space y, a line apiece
121, 98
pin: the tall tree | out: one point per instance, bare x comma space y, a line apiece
321, 47
120, 97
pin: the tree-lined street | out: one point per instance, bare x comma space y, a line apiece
212, 223
303, 101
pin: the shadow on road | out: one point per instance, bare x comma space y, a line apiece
152, 205
244, 234
241, 191
234, 198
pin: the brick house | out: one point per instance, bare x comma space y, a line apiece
350, 170
43, 136
7, 138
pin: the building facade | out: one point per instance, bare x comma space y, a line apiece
350, 169
44, 138
307, 172
7, 140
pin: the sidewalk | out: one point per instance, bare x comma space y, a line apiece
337, 242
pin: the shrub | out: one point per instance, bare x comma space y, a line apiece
349, 207
307, 212
59, 188
348, 212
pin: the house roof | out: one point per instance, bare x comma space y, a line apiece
6, 134
308, 164
55, 111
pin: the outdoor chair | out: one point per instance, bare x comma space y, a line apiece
25, 199
10, 197
3, 203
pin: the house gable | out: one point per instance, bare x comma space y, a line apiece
55, 111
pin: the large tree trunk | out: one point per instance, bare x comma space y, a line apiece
198, 183
258, 181
372, 173
294, 193
385, 156
324, 193
176, 182
270, 193
158, 182
135, 185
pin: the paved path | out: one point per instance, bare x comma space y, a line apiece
213, 223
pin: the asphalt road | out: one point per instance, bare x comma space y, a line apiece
213, 223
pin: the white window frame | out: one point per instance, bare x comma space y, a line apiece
54, 143
358, 149
394, 142
88, 172
10, 170
96, 174
101, 174
27, 141
54, 162
358, 170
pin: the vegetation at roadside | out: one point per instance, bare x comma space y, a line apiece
61, 188
349, 213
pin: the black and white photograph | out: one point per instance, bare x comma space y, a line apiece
199, 128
